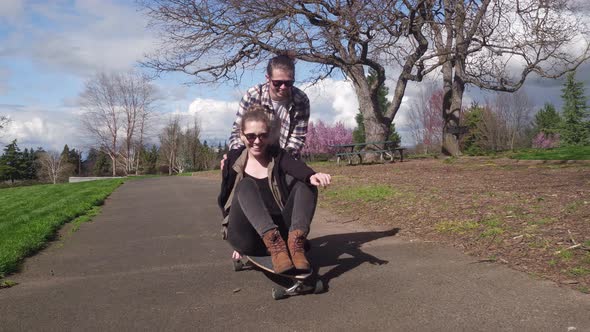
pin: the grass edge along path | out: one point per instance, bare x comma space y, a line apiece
31, 216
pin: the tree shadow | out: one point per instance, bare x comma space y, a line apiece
326, 251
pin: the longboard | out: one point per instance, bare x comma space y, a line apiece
300, 278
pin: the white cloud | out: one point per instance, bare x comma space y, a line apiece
80, 39
216, 117
48, 129
332, 101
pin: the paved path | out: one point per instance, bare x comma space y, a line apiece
153, 261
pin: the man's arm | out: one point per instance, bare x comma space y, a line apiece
301, 111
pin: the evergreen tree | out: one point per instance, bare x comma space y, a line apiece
149, 159
11, 163
102, 166
358, 134
65, 154
574, 129
30, 166
547, 120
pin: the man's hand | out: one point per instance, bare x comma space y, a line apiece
320, 179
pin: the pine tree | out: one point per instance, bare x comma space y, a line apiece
11, 163
574, 129
547, 120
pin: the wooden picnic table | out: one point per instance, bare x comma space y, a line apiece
383, 148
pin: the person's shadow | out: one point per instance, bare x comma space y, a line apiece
326, 251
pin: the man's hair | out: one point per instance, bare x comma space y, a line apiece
283, 62
256, 113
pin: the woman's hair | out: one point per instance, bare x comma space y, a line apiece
256, 113
283, 62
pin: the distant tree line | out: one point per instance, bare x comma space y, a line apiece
32, 166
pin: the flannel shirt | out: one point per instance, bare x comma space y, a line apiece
295, 122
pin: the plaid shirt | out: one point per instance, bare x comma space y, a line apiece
293, 123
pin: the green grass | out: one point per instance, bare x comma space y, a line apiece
566, 153
369, 193
458, 227
579, 271
31, 216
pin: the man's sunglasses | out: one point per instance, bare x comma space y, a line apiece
251, 137
278, 83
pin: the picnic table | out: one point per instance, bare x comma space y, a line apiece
388, 148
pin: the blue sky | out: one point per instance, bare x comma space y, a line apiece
48, 49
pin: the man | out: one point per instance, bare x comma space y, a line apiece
285, 103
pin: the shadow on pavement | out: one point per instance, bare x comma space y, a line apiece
327, 251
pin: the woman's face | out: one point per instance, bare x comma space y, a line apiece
255, 137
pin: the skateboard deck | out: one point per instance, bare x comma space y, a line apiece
265, 263
301, 279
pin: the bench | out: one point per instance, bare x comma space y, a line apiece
388, 148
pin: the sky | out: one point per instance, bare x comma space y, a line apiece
50, 48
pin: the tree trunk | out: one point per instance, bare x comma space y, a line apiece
450, 144
376, 125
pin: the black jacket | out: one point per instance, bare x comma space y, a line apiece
282, 163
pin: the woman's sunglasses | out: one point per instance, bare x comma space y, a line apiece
251, 137
278, 83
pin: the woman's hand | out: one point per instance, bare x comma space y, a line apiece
236, 256
320, 179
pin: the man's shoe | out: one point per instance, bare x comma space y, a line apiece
277, 248
297, 240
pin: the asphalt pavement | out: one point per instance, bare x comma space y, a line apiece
153, 260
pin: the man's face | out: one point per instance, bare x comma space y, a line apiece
280, 83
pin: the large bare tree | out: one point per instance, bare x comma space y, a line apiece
218, 40
497, 44
116, 108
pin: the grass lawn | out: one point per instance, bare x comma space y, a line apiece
566, 153
31, 216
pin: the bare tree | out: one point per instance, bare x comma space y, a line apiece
217, 40
170, 141
117, 108
514, 110
102, 117
137, 96
53, 167
497, 44
425, 121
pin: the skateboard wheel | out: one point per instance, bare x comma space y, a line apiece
278, 293
319, 287
238, 265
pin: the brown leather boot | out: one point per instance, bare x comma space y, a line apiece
296, 242
273, 240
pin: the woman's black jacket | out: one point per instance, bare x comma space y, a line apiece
282, 164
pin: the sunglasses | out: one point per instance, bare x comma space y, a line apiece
278, 83
251, 137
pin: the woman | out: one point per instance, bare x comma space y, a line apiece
260, 210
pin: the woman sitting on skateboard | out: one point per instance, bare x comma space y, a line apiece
259, 207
